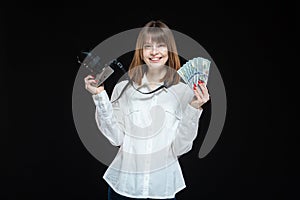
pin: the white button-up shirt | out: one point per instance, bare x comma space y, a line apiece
152, 131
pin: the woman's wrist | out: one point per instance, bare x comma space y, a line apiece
196, 105
98, 92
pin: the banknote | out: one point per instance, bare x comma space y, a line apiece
194, 70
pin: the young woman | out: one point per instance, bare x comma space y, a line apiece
153, 120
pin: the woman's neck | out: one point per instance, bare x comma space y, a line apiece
155, 75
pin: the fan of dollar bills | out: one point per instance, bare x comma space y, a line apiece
194, 70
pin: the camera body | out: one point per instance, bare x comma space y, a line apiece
101, 71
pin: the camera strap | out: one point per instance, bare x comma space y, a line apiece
130, 82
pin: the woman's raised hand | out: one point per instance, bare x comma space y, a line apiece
201, 96
89, 81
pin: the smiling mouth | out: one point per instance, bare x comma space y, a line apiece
156, 59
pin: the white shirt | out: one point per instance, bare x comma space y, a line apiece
152, 130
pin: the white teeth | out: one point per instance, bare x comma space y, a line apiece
154, 58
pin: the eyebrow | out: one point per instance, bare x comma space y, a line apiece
155, 42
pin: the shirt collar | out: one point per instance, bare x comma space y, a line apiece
145, 81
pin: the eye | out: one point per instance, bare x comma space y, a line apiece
147, 46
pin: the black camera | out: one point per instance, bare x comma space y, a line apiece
100, 70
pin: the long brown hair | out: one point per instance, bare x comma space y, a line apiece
159, 32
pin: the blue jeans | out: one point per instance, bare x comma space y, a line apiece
112, 195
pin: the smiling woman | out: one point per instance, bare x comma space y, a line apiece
155, 56
151, 127
156, 48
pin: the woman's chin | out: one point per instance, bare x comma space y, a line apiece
154, 65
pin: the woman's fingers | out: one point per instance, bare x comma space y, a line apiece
201, 93
88, 77
204, 92
198, 93
89, 80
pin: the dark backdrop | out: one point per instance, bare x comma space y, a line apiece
252, 45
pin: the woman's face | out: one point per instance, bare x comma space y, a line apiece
155, 54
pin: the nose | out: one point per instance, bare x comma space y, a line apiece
154, 50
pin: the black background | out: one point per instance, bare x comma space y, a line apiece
251, 43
